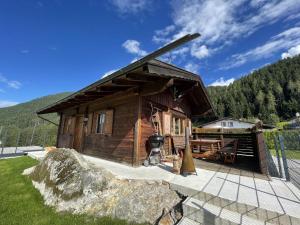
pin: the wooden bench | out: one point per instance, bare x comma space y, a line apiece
229, 150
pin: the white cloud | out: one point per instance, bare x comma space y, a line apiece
284, 40
4, 103
220, 22
10, 83
199, 51
161, 35
257, 3
131, 6
133, 47
192, 67
14, 84
291, 52
108, 73
222, 82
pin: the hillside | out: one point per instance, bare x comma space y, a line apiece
271, 93
20, 120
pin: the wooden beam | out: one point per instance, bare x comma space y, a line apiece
150, 89
112, 88
86, 97
92, 93
141, 77
126, 82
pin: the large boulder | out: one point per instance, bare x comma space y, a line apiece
69, 183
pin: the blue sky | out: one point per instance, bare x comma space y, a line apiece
48, 47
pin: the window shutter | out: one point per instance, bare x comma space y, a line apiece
166, 123
190, 126
187, 123
90, 123
108, 124
94, 122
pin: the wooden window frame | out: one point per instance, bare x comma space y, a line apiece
181, 128
100, 127
107, 123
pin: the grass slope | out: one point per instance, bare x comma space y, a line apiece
21, 203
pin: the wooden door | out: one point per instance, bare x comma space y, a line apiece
78, 133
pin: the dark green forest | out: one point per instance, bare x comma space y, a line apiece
20, 123
270, 94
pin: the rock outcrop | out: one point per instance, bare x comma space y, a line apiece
67, 182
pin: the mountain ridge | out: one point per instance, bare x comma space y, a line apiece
271, 93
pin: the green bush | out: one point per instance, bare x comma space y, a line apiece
291, 138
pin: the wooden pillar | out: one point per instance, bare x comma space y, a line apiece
137, 134
261, 152
58, 130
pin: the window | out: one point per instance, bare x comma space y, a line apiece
223, 124
100, 123
230, 124
177, 126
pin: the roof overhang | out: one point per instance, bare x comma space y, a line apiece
138, 75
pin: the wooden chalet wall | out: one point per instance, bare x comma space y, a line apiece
119, 145
165, 102
130, 130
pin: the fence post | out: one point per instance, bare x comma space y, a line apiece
285, 165
17, 143
44, 140
32, 135
3, 141
278, 157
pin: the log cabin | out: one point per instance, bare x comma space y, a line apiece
114, 117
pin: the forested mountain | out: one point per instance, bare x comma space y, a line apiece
20, 120
271, 93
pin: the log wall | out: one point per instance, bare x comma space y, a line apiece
132, 117
165, 102
119, 145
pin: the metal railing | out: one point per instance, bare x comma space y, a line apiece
286, 157
13, 139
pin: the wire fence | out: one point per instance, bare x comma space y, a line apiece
284, 156
37, 133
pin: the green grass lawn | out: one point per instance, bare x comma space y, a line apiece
21, 203
290, 154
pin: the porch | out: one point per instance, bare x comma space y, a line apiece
245, 147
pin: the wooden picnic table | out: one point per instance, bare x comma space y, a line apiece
206, 142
